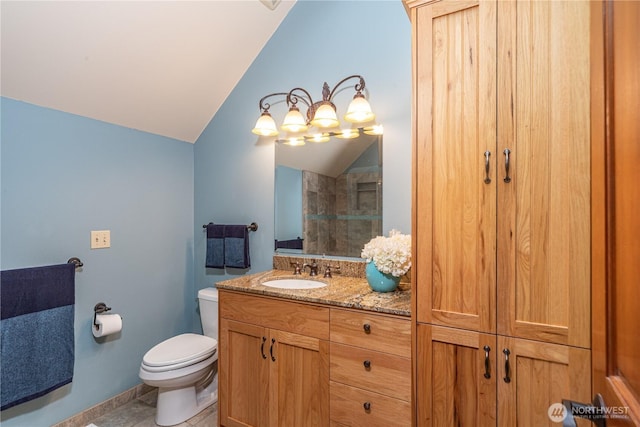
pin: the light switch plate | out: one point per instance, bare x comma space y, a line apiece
100, 239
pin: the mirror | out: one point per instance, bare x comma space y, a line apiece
328, 197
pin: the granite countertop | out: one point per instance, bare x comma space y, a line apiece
341, 291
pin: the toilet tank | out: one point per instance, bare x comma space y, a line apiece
208, 300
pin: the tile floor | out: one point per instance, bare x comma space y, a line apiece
140, 412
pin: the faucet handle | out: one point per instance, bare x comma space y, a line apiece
297, 269
327, 271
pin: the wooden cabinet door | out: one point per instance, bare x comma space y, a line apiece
243, 374
544, 209
454, 51
538, 376
456, 381
298, 380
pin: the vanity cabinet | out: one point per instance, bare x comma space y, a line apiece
287, 363
274, 362
370, 365
501, 208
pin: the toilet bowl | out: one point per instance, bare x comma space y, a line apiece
182, 368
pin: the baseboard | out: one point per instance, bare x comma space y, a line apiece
85, 417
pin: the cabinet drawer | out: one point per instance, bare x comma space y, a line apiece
371, 370
371, 331
309, 320
348, 408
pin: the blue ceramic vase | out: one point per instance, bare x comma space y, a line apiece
379, 281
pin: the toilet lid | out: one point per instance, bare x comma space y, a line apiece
180, 349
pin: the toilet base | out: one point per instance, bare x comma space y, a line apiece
176, 405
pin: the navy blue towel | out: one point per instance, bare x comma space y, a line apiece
36, 331
236, 246
215, 246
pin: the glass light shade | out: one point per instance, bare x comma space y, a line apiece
325, 117
348, 133
318, 137
294, 141
265, 126
294, 121
374, 130
359, 110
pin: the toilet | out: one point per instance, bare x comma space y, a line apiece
182, 367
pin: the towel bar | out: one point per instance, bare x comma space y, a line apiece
76, 261
251, 227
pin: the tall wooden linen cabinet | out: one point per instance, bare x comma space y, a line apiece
501, 219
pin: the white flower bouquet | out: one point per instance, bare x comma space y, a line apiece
391, 255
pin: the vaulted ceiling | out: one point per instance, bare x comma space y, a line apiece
163, 67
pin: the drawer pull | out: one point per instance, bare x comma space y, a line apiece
367, 364
487, 363
507, 178
367, 328
487, 155
367, 406
273, 341
507, 367
264, 356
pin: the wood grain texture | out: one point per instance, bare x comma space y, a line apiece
271, 377
386, 334
304, 319
615, 129
453, 363
455, 209
299, 378
543, 116
244, 375
541, 374
347, 408
386, 374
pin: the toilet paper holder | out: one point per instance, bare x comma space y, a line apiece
99, 309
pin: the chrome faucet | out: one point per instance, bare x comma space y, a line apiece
313, 268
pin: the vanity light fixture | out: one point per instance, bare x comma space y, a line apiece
322, 115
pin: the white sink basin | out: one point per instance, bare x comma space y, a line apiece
294, 284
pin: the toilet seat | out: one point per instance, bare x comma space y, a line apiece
178, 352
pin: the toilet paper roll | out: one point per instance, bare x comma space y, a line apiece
107, 324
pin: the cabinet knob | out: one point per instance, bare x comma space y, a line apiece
367, 406
367, 328
367, 364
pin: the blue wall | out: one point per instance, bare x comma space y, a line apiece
65, 175
318, 41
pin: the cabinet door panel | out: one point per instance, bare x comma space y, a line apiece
541, 374
455, 208
544, 212
451, 369
244, 375
300, 379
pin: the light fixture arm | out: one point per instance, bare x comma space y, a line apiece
293, 98
328, 96
264, 106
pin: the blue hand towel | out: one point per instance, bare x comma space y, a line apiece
36, 331
236, 246
215, 246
